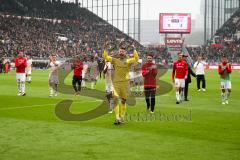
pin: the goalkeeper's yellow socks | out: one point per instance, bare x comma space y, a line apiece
116, 110
123, 109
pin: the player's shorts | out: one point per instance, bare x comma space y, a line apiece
87, 76
226, 84
121, 89
91, 77
21, 77
179, 82
53, 79
29, 72
84, 73
131, 76
77, 79
138, 79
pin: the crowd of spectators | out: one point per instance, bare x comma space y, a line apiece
230, 27
213, 55
52, 9
66, 35
160, 54
40, 37
226, 41
44, 27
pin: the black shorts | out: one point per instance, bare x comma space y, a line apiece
77, 79
150, 92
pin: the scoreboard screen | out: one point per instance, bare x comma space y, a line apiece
175, 23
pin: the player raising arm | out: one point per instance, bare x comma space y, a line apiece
53, 75
93, 72
179, 74
224, 70
120, 79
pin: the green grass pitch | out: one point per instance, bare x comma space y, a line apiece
29, 129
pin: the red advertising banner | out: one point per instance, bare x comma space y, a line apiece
174, 41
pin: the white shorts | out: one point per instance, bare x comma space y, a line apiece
226, 84
91, 77
83, 75
138, 79
179, 82
29, 72
131, 76
53, 79
21, 77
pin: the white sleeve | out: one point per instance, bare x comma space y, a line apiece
204, 63
58, 63
29, 62
105, 66
195, 64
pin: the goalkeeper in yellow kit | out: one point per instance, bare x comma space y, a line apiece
122, 66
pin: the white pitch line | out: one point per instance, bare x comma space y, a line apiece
33, 106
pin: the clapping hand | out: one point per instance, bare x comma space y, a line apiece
20, 62
154, 66
50, 58
228, 65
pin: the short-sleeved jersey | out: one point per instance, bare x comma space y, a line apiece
181, 69
29, 64
20, 64
138, 69
224, 71
109, 73
93, 67
53, 68
77, 68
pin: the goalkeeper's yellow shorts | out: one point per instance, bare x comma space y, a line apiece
121, 89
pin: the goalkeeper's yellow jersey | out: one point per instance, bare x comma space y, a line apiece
121, 66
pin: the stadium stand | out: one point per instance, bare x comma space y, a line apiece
40, 28
160, 54
225, 42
